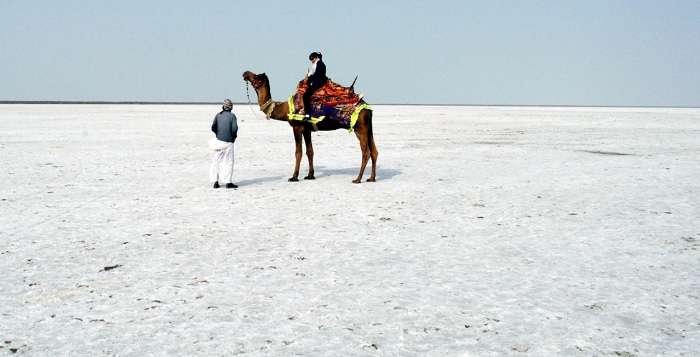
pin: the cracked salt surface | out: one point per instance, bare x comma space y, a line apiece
490, 231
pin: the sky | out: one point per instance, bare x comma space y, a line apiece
558, 52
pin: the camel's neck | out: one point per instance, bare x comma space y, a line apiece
264, 95
272, 109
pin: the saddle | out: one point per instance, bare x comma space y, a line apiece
331, 94
339, 106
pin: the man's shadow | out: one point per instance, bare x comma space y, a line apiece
259, 180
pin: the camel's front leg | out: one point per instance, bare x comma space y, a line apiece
309, 154
297, 155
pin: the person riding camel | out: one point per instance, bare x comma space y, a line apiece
316, 78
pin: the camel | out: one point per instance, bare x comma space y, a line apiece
302, 129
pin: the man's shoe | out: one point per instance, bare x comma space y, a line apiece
230, 185
216, 184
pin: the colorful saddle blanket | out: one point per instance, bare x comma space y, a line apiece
331, 102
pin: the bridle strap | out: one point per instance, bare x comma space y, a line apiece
268, 107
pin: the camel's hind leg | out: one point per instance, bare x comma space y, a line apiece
373, 154
372, 148
361, 130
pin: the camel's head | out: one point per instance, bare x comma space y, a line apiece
256, 80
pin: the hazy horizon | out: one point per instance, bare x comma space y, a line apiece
253, 102
551, 53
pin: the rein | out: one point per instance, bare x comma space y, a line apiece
250, 104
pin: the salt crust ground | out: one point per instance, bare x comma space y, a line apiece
491, 231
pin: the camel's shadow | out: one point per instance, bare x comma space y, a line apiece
382, 174
321, 171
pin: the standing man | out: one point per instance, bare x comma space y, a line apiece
316, 78
225, 126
